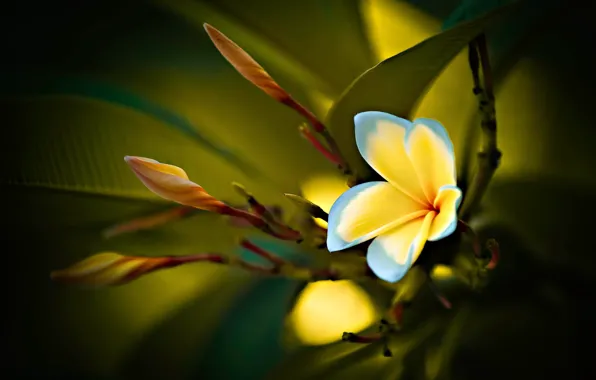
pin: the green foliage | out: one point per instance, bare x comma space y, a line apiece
396, 84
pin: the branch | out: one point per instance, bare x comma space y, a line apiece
256, 74
489, 156
329, 155
385, 330
262, 218
111, 269
437, 293
149, 221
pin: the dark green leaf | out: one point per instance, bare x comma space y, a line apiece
327, 37
396, 84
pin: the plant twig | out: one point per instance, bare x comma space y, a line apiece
149, 221
276, 230
489, 156
467, 229
356, 338
388, 325
307, 134
111, 269
262, 218
433, 287
256, 74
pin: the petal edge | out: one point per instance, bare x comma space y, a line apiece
380, 138
365, 211
392, 254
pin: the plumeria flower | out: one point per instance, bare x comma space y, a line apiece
418, 202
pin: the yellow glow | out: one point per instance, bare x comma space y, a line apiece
197, 13
323, 191
326, 309
441, 272
394, 26
522, 95
321, 103
451, 101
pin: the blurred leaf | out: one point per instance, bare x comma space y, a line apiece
121, 97
250, 336
166, 69
557, 241
326, 37
78, 144
61, 328
397, 83
438, 8
350, 360
519, 338
471, 9
506, 39
272, 56
184, 335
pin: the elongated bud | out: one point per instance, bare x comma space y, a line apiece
256, 74
172, 183
245, 64
110, 269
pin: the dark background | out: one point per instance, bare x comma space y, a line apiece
85, 83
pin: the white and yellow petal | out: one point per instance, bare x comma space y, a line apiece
447, 202
431, 153
393, 253
367, 210
380, 139
172, 183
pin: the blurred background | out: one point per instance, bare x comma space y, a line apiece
86, 83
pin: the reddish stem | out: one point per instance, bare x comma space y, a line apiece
305, 132
466, 228
277, 230
218, 259
149, 221
494, 249
262, 253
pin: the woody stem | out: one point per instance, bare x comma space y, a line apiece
489, 155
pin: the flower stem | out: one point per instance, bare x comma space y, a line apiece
320, 128
306, 133
433, 287
467, 229
272, 228
149, 221
489, 156
262, 253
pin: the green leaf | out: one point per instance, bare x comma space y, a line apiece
76, 143
396, 84
253, 329
62, 327
326, 38
184, 335
150, 76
